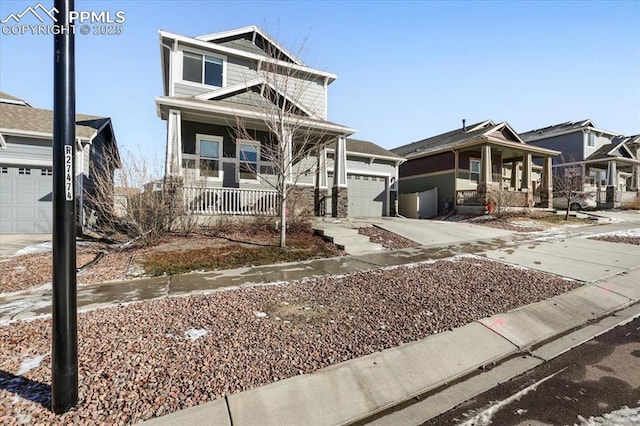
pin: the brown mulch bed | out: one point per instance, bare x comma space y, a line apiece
618, 239
387, 239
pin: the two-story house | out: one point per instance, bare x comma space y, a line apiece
232, 101
608, 162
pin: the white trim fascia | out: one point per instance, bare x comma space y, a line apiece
481, 125
250, 29
238, 112
19, 162
14, 102
367, 173
241, 53
35, 135
566, 132
3, 143
215, 94
374, 156
502, 126
600, 160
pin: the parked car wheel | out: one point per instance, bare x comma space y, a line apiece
575, 207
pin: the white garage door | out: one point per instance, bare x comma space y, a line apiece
25, 200
367, 195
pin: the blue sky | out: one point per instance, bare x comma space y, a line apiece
406, 70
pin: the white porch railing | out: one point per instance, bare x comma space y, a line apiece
232, 201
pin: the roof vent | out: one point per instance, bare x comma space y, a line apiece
464, 125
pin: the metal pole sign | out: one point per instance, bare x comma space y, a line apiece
64, 345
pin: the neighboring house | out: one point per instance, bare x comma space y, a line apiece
472, 167
26, 162
213, 82
608, 162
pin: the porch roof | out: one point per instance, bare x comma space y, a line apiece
226, 113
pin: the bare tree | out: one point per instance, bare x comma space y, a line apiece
567, 180
128, 202
291, 143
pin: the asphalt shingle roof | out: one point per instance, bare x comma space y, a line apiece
4, 95
29, 119
561, 127
602, 152
444, 140
365, 147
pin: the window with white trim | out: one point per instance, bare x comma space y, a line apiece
46, 172
248, 155
203, 69
23, 171
208, 152
474, 170
4, 170
591, 140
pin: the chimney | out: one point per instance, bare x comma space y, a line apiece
464, 125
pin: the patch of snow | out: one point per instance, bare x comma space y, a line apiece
634, 232
35, 248
484, 417
623, 417
195, 333
29, 364
262, 314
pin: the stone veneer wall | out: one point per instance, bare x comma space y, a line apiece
339, 202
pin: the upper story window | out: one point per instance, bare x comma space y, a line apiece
203, 69
591, 140
474, 171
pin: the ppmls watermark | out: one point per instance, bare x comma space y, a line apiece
85, 22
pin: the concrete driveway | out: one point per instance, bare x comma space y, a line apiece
11, 243
435, 232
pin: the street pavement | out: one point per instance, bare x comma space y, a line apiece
391, 387
594, 381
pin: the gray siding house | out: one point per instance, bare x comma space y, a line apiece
609, 163
221, 93
26, 165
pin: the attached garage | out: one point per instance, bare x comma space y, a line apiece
25, 200
26, 176
368, 195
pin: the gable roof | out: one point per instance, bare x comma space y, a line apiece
444, 140
26, 119
612, 150
260, 42
562, 129
369, 148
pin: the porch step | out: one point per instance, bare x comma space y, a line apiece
346, 237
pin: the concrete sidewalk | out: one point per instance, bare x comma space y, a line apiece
367, 389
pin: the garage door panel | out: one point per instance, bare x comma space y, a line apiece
367, 195
26, 200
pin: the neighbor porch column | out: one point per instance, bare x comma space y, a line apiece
612, 183
514, 175
635, 180
527, 186
485, 165
546, 188
173, 166
339, 197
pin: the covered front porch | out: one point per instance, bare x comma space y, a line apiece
615, 181
215, 169
498, 175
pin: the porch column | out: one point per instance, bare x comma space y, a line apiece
526, 172
173, 166
635, 180
485, 165
339, 197
612, 183
320, 193
612, 174
514, 175
546, 188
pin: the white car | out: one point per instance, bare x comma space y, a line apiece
579, 201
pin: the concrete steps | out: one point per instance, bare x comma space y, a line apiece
345, 235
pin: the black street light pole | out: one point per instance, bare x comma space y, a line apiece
64, 347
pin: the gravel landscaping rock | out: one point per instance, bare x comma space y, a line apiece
387, 239
151, 358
